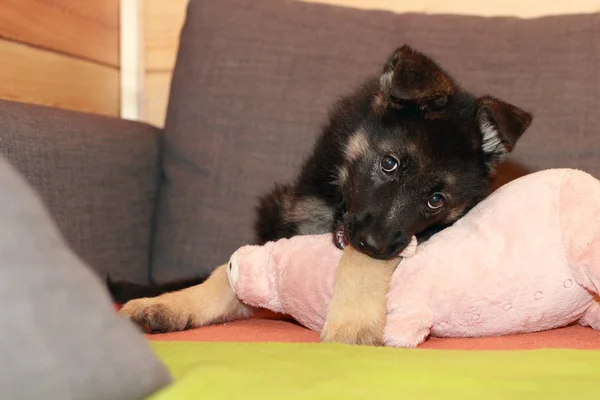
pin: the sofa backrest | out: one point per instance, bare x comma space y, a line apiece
98, 177
254, 80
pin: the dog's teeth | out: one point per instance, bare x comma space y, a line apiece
340, 240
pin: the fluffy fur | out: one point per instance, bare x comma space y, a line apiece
443, 139
407, 153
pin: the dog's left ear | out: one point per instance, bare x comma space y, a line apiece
410, 78
501, 125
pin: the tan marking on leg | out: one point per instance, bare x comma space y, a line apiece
208, 303
357, 312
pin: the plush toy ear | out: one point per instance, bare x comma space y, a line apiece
501, 125
410, 78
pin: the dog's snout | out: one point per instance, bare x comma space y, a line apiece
382, 246
374, 237
370, 244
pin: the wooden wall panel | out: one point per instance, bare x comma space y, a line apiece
37, 76
156, 88
85, 29
61, 53
163, 21
162, 25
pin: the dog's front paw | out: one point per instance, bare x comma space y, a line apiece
157, 315
352, 332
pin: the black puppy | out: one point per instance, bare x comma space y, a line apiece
408, 153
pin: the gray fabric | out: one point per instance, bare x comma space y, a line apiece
254, 80
60, 337
97, 175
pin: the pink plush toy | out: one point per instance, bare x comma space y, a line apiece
526, 259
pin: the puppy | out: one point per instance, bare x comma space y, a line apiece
407, 153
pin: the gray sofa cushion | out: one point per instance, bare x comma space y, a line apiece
98, 176
61, 338
253, 82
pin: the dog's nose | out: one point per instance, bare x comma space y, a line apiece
369, 244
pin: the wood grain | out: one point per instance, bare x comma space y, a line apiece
156, 94
85, 29
163, 21
32, 75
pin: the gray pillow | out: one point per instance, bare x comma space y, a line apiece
60, 336
98, 177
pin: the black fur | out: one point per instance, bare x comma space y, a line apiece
446, 142
270, 222
431, 126
122, 292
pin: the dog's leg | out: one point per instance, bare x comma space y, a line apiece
208, 303
357, 312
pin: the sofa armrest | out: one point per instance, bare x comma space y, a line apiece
97, 175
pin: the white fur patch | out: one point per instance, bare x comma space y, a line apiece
312, 215
357, 146
385, 81
450, 179
492, 142
343, 175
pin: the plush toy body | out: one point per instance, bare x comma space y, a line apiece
525, 259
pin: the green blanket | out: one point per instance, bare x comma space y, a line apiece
332, 371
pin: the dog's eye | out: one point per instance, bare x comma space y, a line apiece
389, 164
434, 104
435, 201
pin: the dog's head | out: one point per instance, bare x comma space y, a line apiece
424, 154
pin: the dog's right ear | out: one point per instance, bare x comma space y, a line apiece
501, 124
410, 78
